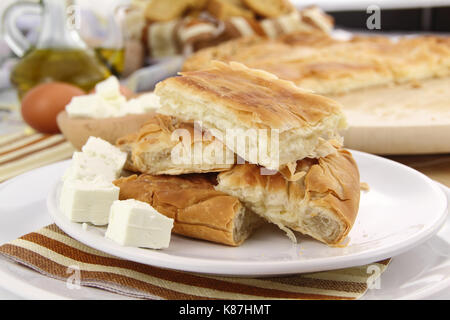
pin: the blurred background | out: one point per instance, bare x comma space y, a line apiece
397, 16
119, 33
416, 15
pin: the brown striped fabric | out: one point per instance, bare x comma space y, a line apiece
53, 253
28, 143
21, 152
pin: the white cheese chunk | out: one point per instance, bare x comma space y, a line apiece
88, 192
88, 168
109, 89
109, 93
96, 147
87, 106
137, 224
98, 158
94, 106
108, 101
147, 102
88, 201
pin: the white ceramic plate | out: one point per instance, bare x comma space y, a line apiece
423, 272
403, 209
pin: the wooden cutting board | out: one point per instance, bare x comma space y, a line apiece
412, 118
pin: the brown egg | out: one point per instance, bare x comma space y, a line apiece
41, 104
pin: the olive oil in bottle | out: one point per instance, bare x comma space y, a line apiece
114, 59
75, 66
59, 53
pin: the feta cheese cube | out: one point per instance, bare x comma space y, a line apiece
87, 106
88, 168
109, 89
108, 101
88, 192
96, 147
135, 223
144, 103
88, 201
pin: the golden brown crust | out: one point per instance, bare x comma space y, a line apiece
225, 9
269, 8
126, 144
257, 49
256, 98
150, 148
315, 61
306, 38
198, 209
330, 183
203, 58
317, 19
336, 177
163, 10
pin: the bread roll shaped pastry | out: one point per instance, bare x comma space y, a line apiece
199, 211
277, 121
165, 145
323, 203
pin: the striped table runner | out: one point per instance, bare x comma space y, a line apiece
53, 253
22, 151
